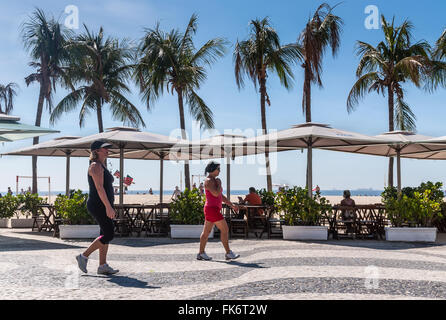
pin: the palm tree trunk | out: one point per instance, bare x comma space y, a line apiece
269, 183
183, 135
307, 95
99, 114
36, 139
391, 128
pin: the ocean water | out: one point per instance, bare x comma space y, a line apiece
358, 192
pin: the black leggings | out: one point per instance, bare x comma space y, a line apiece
105, 223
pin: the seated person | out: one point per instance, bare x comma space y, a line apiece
254, 199
176, 193
348, 214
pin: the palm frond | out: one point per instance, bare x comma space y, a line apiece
199, 110
123, 110
67, 104
404, 117
363, 85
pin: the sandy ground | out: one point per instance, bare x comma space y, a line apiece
152, 199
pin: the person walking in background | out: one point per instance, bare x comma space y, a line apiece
150, 191
201, 188
176, 193
212, 212
100, 206
9, 191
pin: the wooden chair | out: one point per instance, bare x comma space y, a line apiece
121, 222
344, 222
258, 224
237, 226
157, 221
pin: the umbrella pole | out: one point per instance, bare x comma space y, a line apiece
228, 178
398, 171
161, 178
310, 169
67, 175
121, 176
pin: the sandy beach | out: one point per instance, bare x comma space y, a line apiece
152, 199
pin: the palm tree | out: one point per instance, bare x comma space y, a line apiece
321, 31
7, 93
44, 38
170, 61
385, 67
438, 76
101, 68
256, 57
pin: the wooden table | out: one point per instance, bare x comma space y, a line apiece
366, 221
152, 219
47, 215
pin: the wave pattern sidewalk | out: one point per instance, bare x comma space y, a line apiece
37, 266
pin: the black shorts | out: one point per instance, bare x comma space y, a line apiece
106, 224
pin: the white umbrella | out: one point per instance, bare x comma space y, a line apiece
311, 135
220, 146
435, 150
11, 129
399, 143
125, 139
51, 149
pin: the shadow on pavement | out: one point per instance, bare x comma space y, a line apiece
125, 281
19, 244
375, 244
241, 264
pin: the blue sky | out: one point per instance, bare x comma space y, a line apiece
233, 108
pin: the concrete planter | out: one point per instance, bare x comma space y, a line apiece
4, 223
20, 223
185, 231
79, 231
411, 234
305, 232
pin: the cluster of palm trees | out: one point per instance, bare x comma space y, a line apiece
97, 69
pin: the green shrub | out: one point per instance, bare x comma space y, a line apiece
299, 209
9, 204
427, 209
188, 208
268, 197
29, 202
421, 206
73, 209
399, 211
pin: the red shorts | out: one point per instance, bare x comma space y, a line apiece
212, 214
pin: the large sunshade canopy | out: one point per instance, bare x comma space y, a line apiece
11, 129
399, 143
124, 139
311, 135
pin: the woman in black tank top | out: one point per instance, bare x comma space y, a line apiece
100, 206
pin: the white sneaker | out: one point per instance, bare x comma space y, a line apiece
82, 263
106, 269
231, 256
203, 256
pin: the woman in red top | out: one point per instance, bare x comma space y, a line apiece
212, 212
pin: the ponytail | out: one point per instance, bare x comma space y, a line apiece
93, 156
211, 167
